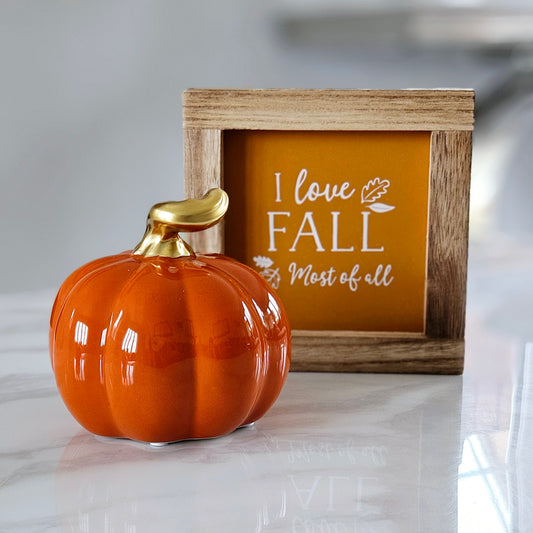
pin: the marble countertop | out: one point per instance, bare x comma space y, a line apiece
337, 453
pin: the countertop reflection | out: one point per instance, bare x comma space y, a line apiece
337, 453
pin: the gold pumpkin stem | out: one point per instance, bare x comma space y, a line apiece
166, 220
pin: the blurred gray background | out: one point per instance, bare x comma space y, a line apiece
90, 103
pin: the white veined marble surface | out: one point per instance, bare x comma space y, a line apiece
338, 453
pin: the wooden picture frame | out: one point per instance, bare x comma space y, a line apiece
448, 117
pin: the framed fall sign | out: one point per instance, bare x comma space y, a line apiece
353, 204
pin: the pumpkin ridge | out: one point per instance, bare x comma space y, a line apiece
279, 356
87, 279
134, 425
128, 281
245, 297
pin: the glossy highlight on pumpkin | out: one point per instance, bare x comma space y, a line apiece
159, 350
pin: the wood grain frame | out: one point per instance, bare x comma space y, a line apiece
448, 115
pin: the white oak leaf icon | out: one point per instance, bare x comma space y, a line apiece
374, 189
272, 276
263, 262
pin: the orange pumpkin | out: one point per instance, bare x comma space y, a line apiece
162, 344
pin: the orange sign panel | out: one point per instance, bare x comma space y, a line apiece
337, 222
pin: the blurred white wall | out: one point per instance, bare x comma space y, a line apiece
90, 109
90, 113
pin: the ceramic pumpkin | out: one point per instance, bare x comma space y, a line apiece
161, 344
